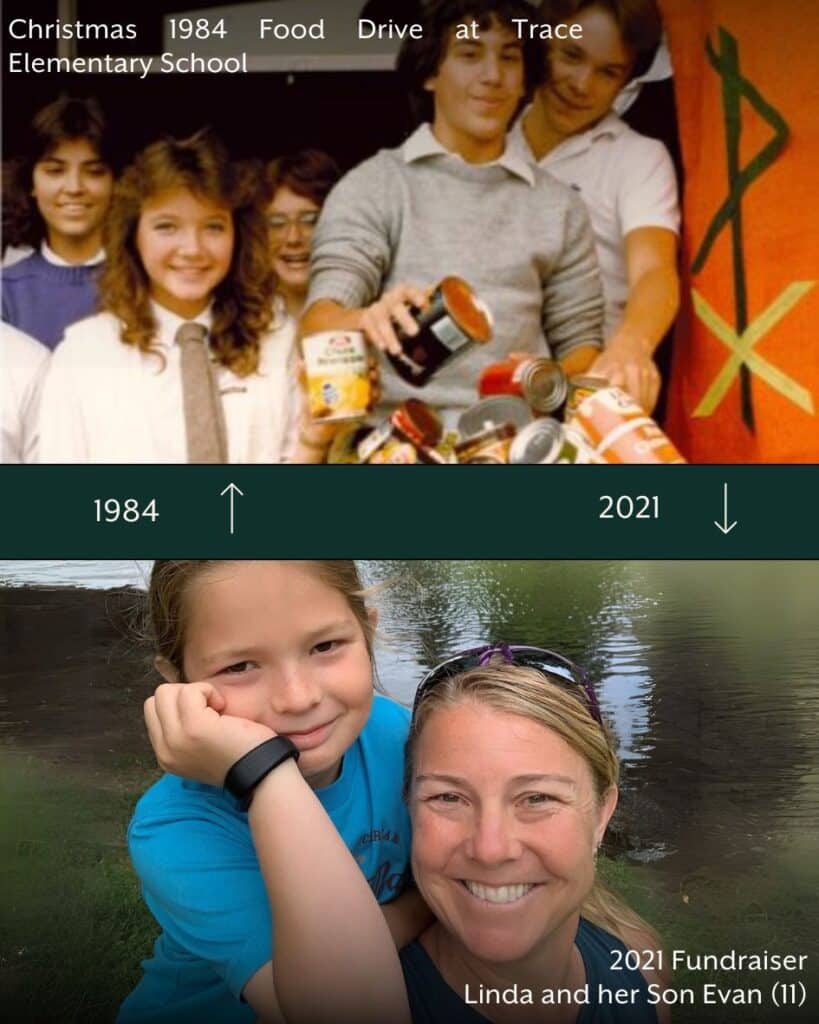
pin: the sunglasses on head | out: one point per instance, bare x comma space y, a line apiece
555, 666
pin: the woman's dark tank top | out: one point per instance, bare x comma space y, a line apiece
432, 1001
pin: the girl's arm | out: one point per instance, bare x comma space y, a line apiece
334, 959
407, 916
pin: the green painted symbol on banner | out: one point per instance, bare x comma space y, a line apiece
734, 88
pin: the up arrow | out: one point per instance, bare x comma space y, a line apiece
232, 490
725, 526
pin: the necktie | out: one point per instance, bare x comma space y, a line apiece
204, 416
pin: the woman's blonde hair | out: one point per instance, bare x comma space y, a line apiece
558, 705
243, 301
167, 606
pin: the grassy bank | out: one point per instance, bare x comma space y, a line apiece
73, 928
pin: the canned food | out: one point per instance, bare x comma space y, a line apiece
620, 431
495, 456
579, 389
491, 445
493, 412
338, 379
542, 383
450, 325
538, 442
576, 449
548, 441
395, 453
413, 422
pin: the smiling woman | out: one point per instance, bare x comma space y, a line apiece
511, 778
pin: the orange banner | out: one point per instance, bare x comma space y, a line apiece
745, 369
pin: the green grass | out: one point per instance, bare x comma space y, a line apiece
73, 928
754, 911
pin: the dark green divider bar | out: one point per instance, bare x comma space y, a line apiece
405, 512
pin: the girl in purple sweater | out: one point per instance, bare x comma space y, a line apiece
57, 198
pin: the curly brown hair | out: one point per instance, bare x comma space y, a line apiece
243, 301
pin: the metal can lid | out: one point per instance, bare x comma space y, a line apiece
544, 384
466, 309
539, 442
493, 412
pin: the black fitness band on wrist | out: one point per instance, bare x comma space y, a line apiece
246, 774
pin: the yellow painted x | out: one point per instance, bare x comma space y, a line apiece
742, 348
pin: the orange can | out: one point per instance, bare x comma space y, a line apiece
621, 431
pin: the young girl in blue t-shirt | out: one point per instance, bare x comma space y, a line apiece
252, 651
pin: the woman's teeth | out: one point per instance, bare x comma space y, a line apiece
498, 893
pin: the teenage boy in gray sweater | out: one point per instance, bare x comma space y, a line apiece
454, 200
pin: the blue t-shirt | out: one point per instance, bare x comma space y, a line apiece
192, 849
432, 1001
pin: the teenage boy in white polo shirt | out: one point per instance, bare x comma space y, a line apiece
626, 179
454, 199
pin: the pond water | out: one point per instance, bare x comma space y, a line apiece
707, 671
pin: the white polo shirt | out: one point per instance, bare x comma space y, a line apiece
627, 181
23, 362
105, 401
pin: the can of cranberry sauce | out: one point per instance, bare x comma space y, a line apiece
454, 321
540, 382
620, 431
414, 423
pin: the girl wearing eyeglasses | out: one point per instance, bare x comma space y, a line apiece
297, 186
511, 779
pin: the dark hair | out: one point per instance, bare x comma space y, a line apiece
243, 301
310, 173
419, 59
639, 21
65, 120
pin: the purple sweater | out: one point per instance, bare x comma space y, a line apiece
42, 298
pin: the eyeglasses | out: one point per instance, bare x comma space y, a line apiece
279, 222
548, 662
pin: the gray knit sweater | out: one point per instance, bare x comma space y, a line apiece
525, 246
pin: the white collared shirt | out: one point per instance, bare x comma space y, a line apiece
659, 71
424, 143
105, 401
50, 256
626, 180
